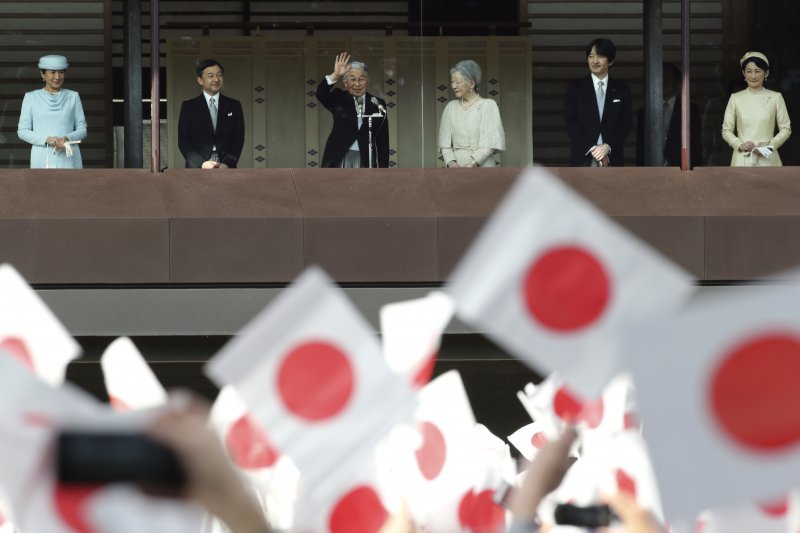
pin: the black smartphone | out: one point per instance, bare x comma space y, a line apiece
91, 457
591, 516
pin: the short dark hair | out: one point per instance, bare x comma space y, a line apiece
605, 47
677, 75
204, 64
760, 63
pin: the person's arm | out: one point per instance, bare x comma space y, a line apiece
79, 133
234, 152
383, 140
543, 477
492, 135
635, 518
325, 89
783, 123
25, 126
190, 153
729, 125
211, 478
446, 139
615, 140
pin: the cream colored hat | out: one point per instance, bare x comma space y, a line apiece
748, 55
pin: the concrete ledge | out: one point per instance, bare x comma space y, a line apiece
380, 227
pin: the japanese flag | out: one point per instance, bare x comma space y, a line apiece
529, 439
130, 382
554, 406
770, 517
628, 469
412, 332
357, 505
30, 412
118, 508
272, 474
30, 332
553, 281
718, 394
312, 373
445, 464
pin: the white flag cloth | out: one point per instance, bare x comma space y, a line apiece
718, 392
31, 414
357, 505
272, 474
554, 406
553, 280
30, 332
312, 373
130, 382
412, 332
774, 517
107, 509
529, 439
444, 468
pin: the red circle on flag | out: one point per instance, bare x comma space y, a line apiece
777, 508
17, 349
424, 372
359, 510
71, 501
316, 381
753, 392
572, 410
249, 446
538, 440
433, 453
118, 405
566, 289
625, 483
478, 513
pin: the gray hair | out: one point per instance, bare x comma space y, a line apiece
470, 70
360, 65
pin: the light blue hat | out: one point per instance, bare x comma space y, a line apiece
53, 63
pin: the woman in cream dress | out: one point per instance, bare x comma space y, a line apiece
471, 131
752, 115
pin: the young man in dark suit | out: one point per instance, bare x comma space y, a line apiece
348, 142
597, 111
211, 125
673, 144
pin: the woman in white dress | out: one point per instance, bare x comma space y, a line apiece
471, 132
752, 116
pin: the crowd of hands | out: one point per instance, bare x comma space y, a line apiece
213, 482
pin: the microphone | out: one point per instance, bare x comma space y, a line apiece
377, 103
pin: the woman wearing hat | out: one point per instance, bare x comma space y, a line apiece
471, 131
752, 116
52, 119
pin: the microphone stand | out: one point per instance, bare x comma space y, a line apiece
369, 130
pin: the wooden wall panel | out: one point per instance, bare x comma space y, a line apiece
562, 28
78, 29
276, 80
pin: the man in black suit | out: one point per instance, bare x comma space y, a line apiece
211, 126
597, 111
348, 142
672, 123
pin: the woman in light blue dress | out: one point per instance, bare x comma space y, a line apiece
52, 119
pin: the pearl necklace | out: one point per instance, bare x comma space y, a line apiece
469, 103
761, 90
